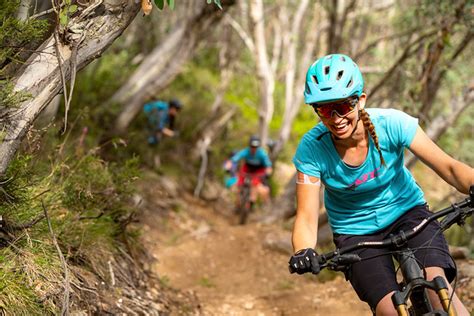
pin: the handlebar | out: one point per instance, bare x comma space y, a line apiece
455, 214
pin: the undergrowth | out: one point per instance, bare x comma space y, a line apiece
88, 203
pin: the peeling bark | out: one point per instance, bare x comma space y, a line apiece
40, 78
264, 70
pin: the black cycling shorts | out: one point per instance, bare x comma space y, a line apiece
374, 278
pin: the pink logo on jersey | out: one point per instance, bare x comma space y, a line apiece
363, 179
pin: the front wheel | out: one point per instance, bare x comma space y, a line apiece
420, 303
245, 204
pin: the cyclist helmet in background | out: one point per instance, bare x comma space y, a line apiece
254, 141
332, 77
175, 103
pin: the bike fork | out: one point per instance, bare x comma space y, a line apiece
441, 288
438, 284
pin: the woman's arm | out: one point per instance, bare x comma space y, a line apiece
305, 229
454, 172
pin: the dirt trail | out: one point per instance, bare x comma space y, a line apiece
231, 272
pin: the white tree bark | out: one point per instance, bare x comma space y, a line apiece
40, 77
165, 62
294, 87
264, 69
23, 10
295, 59
202, 147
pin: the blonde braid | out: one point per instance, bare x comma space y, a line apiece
369, 126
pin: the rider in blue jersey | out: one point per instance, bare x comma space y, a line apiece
358, 154
257, 164
161, 116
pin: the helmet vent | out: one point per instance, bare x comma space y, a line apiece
339, 74
315, 79
349, 84
326, 70
343, 58
326, 89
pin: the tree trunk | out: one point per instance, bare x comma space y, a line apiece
165, 62
40, 78
23, 10
264, 70
202, 147
293, 89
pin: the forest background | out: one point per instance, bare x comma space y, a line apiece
75, 75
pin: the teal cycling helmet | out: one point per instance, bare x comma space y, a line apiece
332, 77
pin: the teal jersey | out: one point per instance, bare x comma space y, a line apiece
363, 199
259, 159
157, 114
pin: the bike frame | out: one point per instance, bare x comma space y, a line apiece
414, 285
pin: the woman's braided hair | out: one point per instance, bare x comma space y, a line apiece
369, 126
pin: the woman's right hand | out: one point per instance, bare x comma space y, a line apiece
304, 260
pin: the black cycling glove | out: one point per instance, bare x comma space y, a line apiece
304, 260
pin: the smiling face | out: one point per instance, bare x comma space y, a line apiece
342, 127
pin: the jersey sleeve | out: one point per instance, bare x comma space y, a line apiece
239, 156
305, 160
402, 127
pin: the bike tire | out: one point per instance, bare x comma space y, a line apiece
244, 205
420, 304
243, 216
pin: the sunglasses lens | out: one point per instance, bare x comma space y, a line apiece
325, 111
341, 108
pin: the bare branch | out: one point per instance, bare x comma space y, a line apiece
14, 227
374, 43
241, 32
409, 49
442, 122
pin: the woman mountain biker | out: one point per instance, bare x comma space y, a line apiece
358, 154
257, 164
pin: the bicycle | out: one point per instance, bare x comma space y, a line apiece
245, 205
413, 286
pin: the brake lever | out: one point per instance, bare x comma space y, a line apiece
451, 218
342, 262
